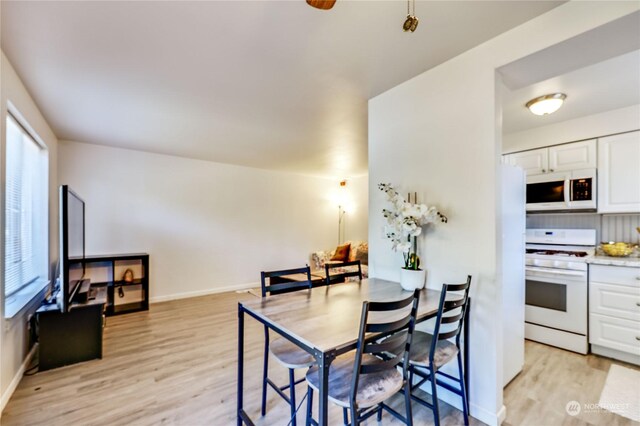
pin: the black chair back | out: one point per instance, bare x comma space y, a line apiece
347, 269
278, 283
390, 340
451, 314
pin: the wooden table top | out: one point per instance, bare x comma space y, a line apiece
328, 318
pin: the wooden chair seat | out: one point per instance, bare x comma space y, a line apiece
290, 355
420, 346
372, 388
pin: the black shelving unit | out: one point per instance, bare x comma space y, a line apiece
122, 296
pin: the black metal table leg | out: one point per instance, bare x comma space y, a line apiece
240, 361
324, 361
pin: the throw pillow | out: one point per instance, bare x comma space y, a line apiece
342, 253
362, 254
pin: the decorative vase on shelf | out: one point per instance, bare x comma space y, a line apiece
412, 279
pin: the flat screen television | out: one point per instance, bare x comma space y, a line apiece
72, 246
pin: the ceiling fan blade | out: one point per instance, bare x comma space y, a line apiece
321, 4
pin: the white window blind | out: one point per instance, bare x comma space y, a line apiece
26, 210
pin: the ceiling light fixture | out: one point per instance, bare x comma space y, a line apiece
411, 23
547, 104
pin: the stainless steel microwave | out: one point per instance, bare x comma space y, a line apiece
574, 190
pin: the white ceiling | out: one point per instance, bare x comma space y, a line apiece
601, 87
598, 70
268, 84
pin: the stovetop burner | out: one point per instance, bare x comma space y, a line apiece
558, 253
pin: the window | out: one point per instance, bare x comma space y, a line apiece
26, 217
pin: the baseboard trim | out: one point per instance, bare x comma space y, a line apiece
502, 414
215, 290
6, 396
612, 353
484, 415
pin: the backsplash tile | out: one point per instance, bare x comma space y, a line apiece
621, 227
614, 227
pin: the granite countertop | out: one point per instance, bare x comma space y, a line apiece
632, 261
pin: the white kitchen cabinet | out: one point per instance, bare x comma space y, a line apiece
533, 162
619, 173
614, 312
570, 156
615, 300
573, 156
614, 333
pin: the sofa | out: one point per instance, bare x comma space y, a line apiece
358, 250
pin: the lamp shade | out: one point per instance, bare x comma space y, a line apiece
547, 104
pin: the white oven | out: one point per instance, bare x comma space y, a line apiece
557, 298
574, 190
556, 286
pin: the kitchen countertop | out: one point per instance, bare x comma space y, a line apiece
632, 261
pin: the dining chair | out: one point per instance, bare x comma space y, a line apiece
429, 352
339, 272
361, 380
285, 352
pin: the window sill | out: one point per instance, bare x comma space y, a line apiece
18, 303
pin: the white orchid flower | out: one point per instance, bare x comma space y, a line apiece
405, 220
416, 232
404, 247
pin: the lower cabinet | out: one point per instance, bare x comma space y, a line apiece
614, 312
615, 333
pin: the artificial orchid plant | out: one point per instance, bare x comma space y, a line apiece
405, 223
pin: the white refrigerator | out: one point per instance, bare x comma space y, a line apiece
511, 268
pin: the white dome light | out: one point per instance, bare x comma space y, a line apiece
547, 104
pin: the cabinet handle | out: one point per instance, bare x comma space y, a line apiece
551, 170
544, 171
637, 337
638, 304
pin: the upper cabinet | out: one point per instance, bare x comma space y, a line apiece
533, 162
571, 156
619, 173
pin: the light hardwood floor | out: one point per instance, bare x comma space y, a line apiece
176, 364
550, 379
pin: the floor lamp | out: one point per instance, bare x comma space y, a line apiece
341, 210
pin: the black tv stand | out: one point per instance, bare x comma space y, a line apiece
74, 336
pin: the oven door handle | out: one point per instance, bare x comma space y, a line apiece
556, 271
567, 192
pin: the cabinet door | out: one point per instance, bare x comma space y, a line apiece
619, 173
614, 333
614, 300
533, 162
573, 156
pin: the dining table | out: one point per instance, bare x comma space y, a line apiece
324, 321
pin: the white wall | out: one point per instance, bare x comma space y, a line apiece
439, 134
208, 227
13, 332
592, 126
